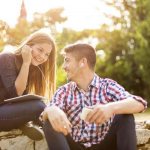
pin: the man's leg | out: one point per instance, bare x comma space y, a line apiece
74, 145
57, 141
126, 135
121, 135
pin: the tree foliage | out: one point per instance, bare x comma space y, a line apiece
128, 46
126, 43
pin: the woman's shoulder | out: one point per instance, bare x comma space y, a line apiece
6, 56
7, 60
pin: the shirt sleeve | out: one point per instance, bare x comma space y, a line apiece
59, 98
9, 74
116, 92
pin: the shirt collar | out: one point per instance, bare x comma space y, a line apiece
94, 83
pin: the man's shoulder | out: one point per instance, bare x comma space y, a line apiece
108, 80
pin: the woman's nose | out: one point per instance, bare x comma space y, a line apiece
42, 56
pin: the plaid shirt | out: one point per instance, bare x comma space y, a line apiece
72, 100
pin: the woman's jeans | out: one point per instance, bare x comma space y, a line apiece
14, 115
121, 136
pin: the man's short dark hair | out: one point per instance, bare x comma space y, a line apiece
82, 51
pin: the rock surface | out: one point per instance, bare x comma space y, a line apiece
143, 135
15, 140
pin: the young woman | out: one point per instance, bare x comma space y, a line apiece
30, 69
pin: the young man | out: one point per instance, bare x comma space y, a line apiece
108, 125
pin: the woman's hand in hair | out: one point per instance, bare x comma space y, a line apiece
26, 54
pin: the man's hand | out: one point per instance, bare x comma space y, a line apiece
58, 119
99, 114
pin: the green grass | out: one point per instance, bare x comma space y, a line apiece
143, 116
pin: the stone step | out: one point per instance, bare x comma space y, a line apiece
15, 140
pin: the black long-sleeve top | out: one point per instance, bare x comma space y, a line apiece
8, 75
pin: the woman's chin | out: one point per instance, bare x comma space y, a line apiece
34, 63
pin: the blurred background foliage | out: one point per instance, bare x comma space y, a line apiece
123, 48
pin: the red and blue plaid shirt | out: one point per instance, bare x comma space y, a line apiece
72, 100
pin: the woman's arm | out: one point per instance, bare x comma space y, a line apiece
22, 78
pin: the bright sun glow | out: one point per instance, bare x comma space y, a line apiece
82, 14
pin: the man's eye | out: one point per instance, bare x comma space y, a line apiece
66, 60
40, 50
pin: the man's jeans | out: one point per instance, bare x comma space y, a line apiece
14, 115
121, 136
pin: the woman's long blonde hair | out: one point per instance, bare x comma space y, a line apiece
41, 79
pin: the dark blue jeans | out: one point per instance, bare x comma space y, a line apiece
15, 115
121, 136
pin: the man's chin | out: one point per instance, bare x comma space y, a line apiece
69, 79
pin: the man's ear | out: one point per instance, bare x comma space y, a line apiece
82, 64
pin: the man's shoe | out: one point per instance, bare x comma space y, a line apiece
34, 132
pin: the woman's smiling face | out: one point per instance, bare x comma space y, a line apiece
40, 53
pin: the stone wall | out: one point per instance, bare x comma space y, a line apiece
143, 135
15, 140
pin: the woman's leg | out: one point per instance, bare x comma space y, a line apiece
14, 115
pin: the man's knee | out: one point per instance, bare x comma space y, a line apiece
124, 124
55, 140
124, 119
126, 135
47, 127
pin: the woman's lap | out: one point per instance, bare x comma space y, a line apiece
17, 114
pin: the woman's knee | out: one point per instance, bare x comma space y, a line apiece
38, 106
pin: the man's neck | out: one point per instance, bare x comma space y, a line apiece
84, 81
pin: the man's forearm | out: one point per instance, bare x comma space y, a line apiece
128, 106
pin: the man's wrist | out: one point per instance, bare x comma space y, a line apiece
113, 107
50, 108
